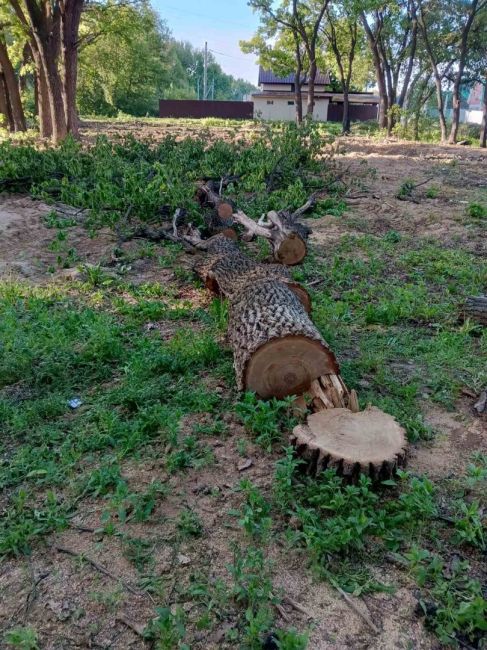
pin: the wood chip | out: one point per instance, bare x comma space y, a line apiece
244, 464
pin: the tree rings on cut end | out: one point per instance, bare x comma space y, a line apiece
224, 210
369, 442
287, 366
291, 251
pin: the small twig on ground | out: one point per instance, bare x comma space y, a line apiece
423, 182
282, 613
356, 609
103, 570
299, 608
32, 595
138, 629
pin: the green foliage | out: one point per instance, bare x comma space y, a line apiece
477, 211
255, 517
189, 524
167, 630
113, 178
265, 419
451, 601
24, 638
252, 590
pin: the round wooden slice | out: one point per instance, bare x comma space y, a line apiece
369, 442
287, 366
291, 251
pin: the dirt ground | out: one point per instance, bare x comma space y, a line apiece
75, 605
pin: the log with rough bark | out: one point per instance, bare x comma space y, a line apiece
277, 349
278, 352
369, 442
476, 309
226, 270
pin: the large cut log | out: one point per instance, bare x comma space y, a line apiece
278, 352
226, 270
277, 349
369, 442
476, 309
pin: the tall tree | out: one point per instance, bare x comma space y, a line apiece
303, 20
11, 92
391, 28
468, 13
346, 39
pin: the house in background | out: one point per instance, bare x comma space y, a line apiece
276, 99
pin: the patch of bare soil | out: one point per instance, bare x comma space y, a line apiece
458, 434
456, 174
26, 244
73, 603
157, 130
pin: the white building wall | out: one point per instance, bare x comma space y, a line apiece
281, 110
271, 87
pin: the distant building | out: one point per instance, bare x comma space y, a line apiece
276, 99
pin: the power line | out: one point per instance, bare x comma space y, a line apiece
195, 13
230, 56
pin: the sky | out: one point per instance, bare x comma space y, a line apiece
223, 23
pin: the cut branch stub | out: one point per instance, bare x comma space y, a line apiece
277, 349
208, 196
369, 442
286, 237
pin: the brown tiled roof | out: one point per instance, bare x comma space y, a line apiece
268, 77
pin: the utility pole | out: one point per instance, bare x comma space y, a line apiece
205, 72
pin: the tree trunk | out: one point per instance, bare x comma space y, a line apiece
436, 75
70, 19
42, 103
379, 73
277, 349
298, 95
476, 308
459, 75
311, 88
5, 104
225, 269
11, 83
346, 112
44, 23
483, 129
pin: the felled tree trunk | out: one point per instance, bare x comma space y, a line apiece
226, 271
476, 309
278, 352
277, 349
